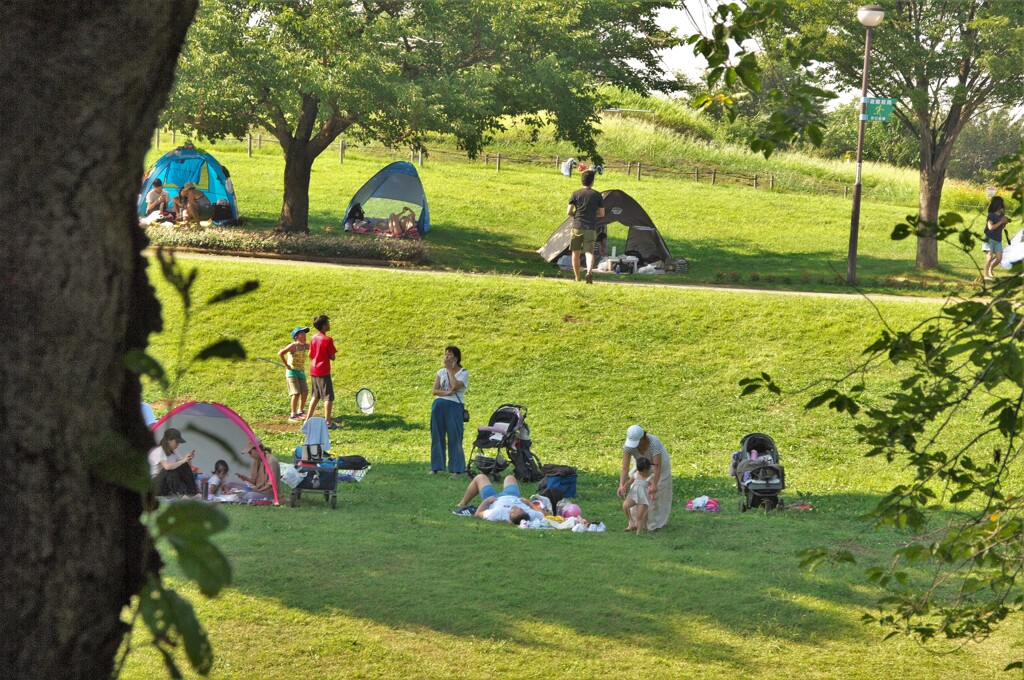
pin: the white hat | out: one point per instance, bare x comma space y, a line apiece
633, 436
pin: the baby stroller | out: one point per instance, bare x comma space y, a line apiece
508, 432
759, 477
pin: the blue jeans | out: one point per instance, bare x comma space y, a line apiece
446, 424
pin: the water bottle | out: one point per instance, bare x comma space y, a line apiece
618, 269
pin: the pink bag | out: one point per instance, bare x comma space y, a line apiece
704, 504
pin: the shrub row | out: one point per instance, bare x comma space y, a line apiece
240, 241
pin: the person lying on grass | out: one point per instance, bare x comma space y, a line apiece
508, 505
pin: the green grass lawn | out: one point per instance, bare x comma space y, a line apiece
391, 584
487, 221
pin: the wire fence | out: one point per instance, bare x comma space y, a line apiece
635, 169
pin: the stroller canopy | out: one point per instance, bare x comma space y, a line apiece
643, 238
216, 433
182, 165
394, 187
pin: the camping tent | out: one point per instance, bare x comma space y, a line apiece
394, 187
643, 238
209, 428
182, 165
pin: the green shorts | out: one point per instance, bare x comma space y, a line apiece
583, 240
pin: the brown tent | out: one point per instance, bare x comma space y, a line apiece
643, 240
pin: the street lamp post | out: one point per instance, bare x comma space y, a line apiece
870, 16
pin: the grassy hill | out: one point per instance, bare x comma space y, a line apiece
393, 585
484, 220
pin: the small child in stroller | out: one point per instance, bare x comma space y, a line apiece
759, 477
638, 497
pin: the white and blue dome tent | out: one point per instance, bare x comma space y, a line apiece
394, 187
182, 165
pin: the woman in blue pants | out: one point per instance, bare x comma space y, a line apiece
446, 423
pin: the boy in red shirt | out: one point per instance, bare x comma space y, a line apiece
321, 354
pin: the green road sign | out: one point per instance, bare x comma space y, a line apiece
877, 108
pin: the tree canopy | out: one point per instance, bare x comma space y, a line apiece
393, 70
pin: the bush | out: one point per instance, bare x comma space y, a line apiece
239, 241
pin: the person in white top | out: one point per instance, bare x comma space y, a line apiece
446, 414
508, 505
642, 444
172, 471
157, 198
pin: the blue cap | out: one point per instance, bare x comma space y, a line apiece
299, 329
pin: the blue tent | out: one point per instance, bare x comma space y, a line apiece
394, 187
182, 165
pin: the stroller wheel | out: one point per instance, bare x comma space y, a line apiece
334, 502
294, 499
770, 503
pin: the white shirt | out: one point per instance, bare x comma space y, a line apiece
157, 455
155, 195
499, 510
462, 375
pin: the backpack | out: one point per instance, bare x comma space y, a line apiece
527, 465
352, 463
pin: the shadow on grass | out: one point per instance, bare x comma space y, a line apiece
380, 421
697, 589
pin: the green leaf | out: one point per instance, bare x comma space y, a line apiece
202, 562
815, 134
191, 520
222, 349
197, 644
231, 293
153, 608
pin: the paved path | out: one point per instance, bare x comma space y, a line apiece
279, 260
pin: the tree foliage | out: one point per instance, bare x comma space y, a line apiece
959, 574
945, 63
393, 70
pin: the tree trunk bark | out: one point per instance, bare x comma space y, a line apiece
928, 212
298, 165
79, 102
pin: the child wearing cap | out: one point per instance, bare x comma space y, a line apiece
293, 357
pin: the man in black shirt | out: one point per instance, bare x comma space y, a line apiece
585, 208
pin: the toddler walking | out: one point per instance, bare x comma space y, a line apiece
638, 497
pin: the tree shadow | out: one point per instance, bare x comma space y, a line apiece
380, 421
415, 564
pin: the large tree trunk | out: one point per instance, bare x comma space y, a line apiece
83, 83
928, 212
298, 165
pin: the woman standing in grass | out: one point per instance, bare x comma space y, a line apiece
642, 444
997, 221
446, 423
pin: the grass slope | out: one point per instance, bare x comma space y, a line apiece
489, 221
392, 585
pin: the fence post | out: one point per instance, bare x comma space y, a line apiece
629, 167
846, 190
499, 163
696, 174
249, 137
158, 139
341, 151
420, 157
558, 162
487, 159
755, 181
638, 171
771, 182
259, 141
714, 174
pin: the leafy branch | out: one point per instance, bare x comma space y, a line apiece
185, 526
958, 574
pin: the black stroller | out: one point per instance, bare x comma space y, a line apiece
759, 476
508, 432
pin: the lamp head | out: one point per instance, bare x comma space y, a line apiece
870, 15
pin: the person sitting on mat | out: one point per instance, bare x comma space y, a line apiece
508, 505
260, 477
172, 471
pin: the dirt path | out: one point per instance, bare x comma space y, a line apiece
279, 260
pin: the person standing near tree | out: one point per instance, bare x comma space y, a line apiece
321, 354
586, 207
997, 221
